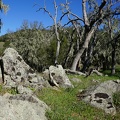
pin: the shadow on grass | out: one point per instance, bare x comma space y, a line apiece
108, 72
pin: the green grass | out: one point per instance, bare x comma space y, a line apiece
65, 105
7, 90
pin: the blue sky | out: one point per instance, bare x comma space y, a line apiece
20, 10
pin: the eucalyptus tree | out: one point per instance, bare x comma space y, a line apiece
114, 36
56, 26
92, 18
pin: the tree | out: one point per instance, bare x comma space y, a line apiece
32, 44
91, 21
56, 27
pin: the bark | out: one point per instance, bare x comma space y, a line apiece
80, 52
57, 51
86, 21
74, 72
69, 51
113, 61
89, 55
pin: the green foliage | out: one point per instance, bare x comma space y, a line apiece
116, 100
7, 90
32, 45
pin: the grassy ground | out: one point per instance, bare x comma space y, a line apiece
65, 105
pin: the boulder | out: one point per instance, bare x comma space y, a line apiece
101, 95
22, 107
17, 71
57, 77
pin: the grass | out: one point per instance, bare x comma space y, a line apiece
65, 105
7, 90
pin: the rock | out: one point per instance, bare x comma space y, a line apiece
57, 77
100, 95
17, 71
22, 107
76, 80
24, 90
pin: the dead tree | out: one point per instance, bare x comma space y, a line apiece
56, 26
90, 24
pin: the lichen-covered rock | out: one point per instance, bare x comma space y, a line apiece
101, 95
56, 76
17, 71
22, 107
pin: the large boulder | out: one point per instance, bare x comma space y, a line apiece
22, 107
17, 71
56, 76
101, 96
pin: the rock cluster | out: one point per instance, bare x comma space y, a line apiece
24, 105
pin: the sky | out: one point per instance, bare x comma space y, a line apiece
20, 10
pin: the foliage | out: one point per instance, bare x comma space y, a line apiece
7, 90
3, 6
116, 100
32, 45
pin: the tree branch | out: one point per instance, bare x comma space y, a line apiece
46, 12
86, 21
99, 13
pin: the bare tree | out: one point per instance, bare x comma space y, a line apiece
56, 26
91, 22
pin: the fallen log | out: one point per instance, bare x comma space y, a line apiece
68, 71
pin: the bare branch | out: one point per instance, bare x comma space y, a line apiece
102, 5
70, 21
63, 15
46, 12
86, 21
98, 15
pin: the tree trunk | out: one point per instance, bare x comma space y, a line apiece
113, 61
89, 55
57, 52
68, 55
80, 52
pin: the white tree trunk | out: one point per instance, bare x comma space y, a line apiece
80, 52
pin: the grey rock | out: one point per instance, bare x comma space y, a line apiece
77, 80
22, 107
57, 77
100, 95
24, 90
17, 71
